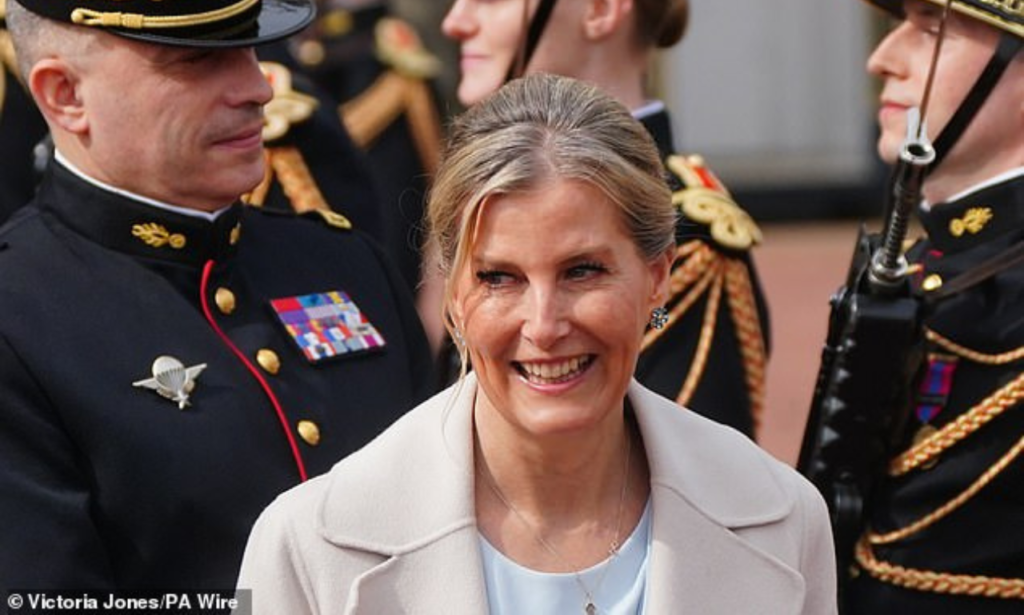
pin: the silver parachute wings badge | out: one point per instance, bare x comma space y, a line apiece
172, 380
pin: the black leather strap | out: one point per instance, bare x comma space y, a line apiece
1009, 45
529, 45
988, 268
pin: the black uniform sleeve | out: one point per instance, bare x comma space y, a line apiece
49, 539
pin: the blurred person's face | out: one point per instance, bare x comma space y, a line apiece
552, 304
490, 33
176, 124
902, 60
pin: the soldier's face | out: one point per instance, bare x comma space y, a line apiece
490, 31
994, 139
175, 124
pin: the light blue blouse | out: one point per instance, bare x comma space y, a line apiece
513, 589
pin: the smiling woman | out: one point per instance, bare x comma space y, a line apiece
548, 481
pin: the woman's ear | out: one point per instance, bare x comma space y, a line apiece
661, 275
56, 88
604, 17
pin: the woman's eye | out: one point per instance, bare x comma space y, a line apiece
494, 278
585, 271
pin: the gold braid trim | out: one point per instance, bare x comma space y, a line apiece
937, 582
690, 272
138, 21
742, 306
369, 114
296, 180
972, 355
955, 431
258, 196
7, 63
424, 124
929, 519
707, 335
287, 165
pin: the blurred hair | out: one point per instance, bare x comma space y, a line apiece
661, 23
530, 132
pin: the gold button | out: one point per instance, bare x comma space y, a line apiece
225, 300
932, 282
310, 432
236, 233
268, 360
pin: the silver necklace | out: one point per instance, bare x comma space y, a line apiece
590, 606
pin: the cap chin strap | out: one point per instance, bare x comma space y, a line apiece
1008, 47
529, 45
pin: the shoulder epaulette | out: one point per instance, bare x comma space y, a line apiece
704, 199
331, 218
402, 90
288, 107
398, 46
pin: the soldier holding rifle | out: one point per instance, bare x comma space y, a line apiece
941, 530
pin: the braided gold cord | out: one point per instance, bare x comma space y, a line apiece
137, 21
707, 335
424, 124
972, 355
692, 273
987, 477
258, 196
742, 306
937, 582
955, 431
296, 180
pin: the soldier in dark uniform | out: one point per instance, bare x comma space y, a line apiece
373, 65
945, 533
710, 351
170, 360
311, 161
21, 129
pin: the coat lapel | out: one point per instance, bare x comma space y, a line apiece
441, 578
704, 505
419, 523
698, 566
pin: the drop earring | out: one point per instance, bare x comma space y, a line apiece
659, 317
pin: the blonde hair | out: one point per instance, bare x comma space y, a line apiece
533, 130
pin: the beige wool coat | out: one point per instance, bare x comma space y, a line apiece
391, 529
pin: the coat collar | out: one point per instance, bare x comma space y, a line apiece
418, 513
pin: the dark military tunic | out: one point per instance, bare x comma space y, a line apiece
976, 371
372, 65
106, 483
711, 356
21, 128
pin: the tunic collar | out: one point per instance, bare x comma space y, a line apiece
977, 217
126, 224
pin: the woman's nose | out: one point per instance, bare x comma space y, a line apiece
546, 320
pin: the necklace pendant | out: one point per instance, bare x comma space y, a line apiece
589, 608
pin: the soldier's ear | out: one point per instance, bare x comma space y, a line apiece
604, 17
55, 85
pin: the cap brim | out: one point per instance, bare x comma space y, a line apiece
277, 19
